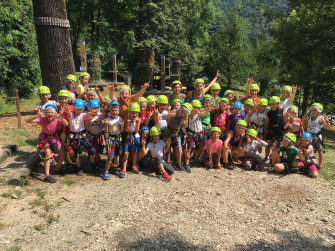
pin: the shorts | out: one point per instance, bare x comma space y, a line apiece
194, 139
317, 142
51, 139
274, 136
130, 145
95, 141
175, 137
287, 165
308, 165
116, 149
63, 140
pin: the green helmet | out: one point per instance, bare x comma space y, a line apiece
64, 93
155, 131
274, 99
151, 98
176, 82
83, 74
71, 77
318, 106
254, 87
216, 86
176, 100
162, 99
216, 129
293, 108
43, 90
287, 88
252, 133
263, 101
125, 87
241, 122
198, 80
224, 100
196, 103
134, 107
291, 137
228, 92
207, 96
107, 98
142, 99
249, 101
188, 106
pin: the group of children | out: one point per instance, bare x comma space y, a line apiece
136, 132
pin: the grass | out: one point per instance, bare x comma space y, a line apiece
328, 170
25, 104
68, 181
36, 203
15, 248
52, 219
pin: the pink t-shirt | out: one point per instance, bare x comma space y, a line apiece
295, 125
76, 123
48, 128
214, 146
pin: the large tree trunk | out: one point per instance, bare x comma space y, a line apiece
54, 44
145, 65
305, 97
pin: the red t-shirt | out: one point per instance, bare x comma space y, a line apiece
295, 126
143, 116
256, 101
63, 128
220, 119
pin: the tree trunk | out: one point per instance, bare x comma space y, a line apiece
305, 97
54, 44
145, 65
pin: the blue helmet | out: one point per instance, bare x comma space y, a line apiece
307, 135
145, 128
237, 105
50, 106
79, 103
93, 104
113, 103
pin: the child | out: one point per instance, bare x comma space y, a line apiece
176, 104
200, 89
215, 90
113, 128
143, 111
235, 116
258, 119
152, 105
125, 98
221, 116
161, 112
176, 89
206, 120
157, 148
84, 77
248, 150
94, 126
194, 132
289, 153
132, 140
252, 91
213, 149
70, 81
292, 123
231, 98
286, 98
314, 124
143, 158
45, 94
232, 141
274, 125
49, 136
249, 105
77, 135
306, 156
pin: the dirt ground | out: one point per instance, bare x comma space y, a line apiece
204, 210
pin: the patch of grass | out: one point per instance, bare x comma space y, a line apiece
328, 170
6, 195
40, 229
68, 181
48, 207
69, 243
41, 192
52, 219
36, 203
18, 193
15, 248
23, 182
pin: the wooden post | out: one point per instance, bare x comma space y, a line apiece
175, 69
163, 73
18, 109
114, 69
83, 58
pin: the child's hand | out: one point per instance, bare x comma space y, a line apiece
258, 139
66, 108
106, 123
97, 89
143, 142
218, 74
294, 88
169, 108
210, 164
39, 113
149, 113
325, 117
146, 85
111, 87
250, 80
58, 116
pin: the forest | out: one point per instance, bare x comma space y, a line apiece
285, 42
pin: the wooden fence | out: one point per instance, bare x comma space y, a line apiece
17, 101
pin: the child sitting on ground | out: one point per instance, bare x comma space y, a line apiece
213, 149
237, 115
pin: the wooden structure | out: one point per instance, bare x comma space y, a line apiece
17, 101
83, 58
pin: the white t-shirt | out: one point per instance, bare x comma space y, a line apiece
162, 122
258, 120
194, 123
114, 125
285, 104
42, 106
156, 149
76, 123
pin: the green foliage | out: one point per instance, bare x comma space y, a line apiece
19, 65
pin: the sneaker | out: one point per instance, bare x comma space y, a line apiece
166, 176
122, 174
265, 159
179, 167
105, 176
52, 161
237, 160
50, 179
188, 168
229, 166
80, 172
261, 168
135, 169
115, 172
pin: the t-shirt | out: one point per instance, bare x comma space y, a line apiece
80, 89
114, 126
252, 148
194, 123
206, 120
72, 93
310, 154
124, 105
214, 146
48, 128
95, 126
313, 125
220, 119
76, 123
175, 122
233, 120
143, 116
258, 120
275, 117
162, 122
288, 153
156, 149
42, 105
295, 125
284, 104
63, 128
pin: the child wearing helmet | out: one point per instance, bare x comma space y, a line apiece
176, 104
249, 106
293, 124
289, 152
313, 125
221, 116
215, 91
213, 149
274, 125
152, 107
252, 91
70, 82
132, 139
113, 128
84, 78
176, 87
125, 97
229, 94
157, 147
45, 94
287, 96
232, 141
49, 136
200, 89
248, 149
237, 115
306, 157
143, 111
77, 135
161, 112
207, 103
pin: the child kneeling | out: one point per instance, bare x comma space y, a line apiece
212, 152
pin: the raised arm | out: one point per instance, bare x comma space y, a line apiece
294, 90
111, 89
218, 74
142, 91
